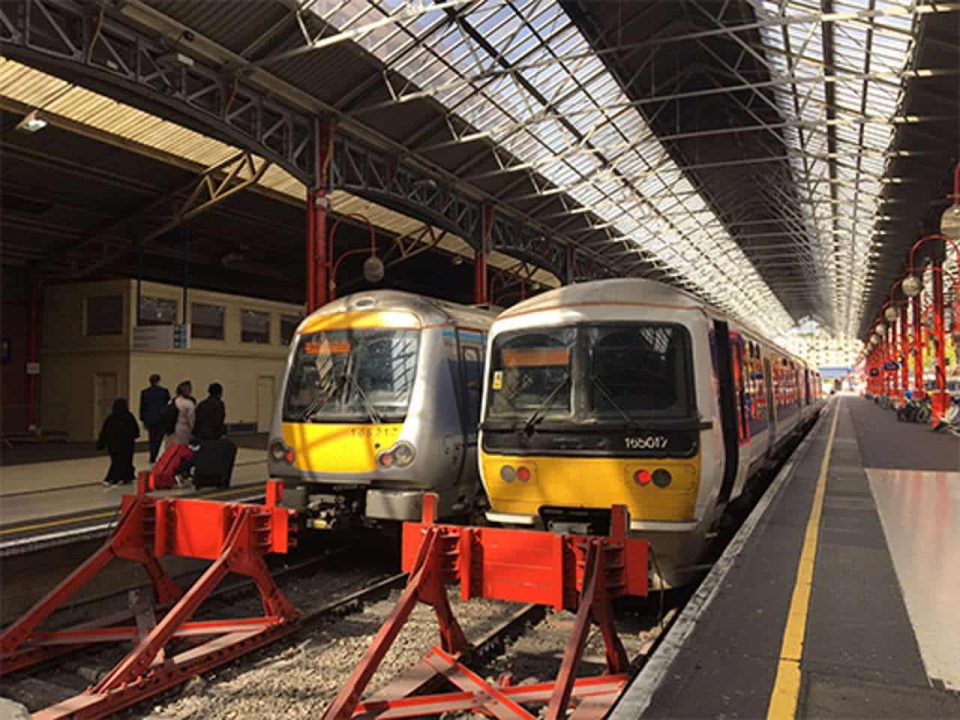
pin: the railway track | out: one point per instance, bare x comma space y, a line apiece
303, 671
346, 587
345, 597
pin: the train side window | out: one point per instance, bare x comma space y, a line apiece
473, 373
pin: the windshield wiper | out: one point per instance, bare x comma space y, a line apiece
323, 394
368, 406
537, 416
609, 396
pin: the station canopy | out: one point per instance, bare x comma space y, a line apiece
776, 158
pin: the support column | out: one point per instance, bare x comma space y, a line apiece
481, 295
940, 398
904, 354
884, 373
33, 354
917, 348
895, 373
318, 206
571, 259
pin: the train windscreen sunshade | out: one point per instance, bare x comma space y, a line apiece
363, 375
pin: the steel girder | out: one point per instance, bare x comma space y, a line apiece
83, 40
363, 171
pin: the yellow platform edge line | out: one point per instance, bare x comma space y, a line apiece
786, 686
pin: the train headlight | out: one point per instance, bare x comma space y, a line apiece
281, 453
403, 454
662, 478
400, 455
508, 474
642, 477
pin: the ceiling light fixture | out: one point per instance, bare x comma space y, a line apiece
32, 123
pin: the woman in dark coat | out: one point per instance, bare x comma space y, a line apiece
118, 436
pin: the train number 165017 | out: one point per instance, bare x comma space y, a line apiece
650, 442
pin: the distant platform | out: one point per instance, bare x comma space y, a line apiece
44, 503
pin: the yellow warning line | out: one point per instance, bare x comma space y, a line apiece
108, 513
786, 687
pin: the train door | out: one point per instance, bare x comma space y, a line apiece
739, 383
104, 393
742, 397
723, 344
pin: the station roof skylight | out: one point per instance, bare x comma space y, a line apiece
841, 85
524, 75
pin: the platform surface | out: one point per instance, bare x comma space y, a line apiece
40, 498
876, 634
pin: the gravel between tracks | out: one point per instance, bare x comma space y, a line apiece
300, 680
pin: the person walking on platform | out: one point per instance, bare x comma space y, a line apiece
215, 455
152, 401
211, 415
118, 436
186, 415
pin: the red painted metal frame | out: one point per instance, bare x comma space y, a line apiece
234, 536
582, 574
318, 204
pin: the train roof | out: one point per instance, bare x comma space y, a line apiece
613, 291
430, 311
632, 290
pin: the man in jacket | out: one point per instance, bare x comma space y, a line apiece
152, 401
211, 415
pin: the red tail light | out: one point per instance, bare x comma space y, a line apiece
642, 477
523, 473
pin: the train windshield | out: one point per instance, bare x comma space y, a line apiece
531, 373
637, 371
617, 372
363, 375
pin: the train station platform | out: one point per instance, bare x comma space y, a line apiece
49, 503
839, 595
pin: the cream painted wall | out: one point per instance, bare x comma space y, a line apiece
71, 359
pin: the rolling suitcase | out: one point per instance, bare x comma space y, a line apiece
213, 463
175, 459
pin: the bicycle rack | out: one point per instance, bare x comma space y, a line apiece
582, 574
235, 536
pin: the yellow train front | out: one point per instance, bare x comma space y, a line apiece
380, 404
628, 392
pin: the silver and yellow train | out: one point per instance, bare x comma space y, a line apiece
629, 391
381, 403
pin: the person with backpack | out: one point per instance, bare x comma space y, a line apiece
152, 401
118, 436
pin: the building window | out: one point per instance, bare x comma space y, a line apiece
105, 315
254, 327
206, 321
288, 326
157, 311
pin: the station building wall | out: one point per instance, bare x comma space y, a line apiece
84, 368
14, 321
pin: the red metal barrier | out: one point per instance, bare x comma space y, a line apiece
234, 536
582, 574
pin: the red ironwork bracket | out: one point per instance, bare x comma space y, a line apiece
234, 536
582, 574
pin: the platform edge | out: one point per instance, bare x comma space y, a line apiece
637, 697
